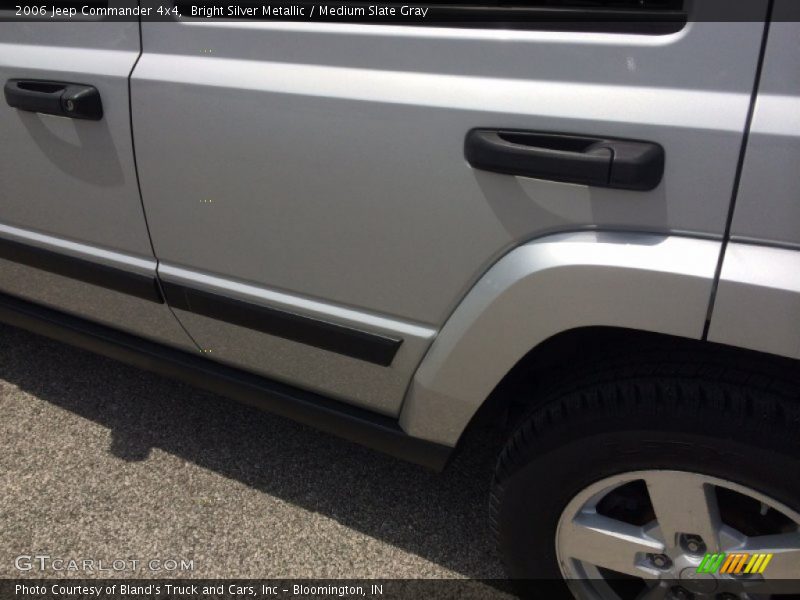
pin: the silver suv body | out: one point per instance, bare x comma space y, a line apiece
380, 229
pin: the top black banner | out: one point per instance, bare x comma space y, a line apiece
655, 17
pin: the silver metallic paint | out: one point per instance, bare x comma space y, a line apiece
71, 178
768, 204
757, 304
647, 282
334, 153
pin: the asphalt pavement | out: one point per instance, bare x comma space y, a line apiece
100, 461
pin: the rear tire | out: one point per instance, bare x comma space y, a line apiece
708, 414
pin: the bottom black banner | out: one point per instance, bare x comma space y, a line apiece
390, 589
265, 589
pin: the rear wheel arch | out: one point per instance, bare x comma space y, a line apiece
538, 291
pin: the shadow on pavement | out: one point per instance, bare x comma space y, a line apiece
440, 517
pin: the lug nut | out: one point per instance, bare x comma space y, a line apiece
693, 544
660, 561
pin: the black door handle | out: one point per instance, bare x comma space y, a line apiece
600, 162
54, 98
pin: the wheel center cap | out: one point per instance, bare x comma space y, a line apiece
700, 583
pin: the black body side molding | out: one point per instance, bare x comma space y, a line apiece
348, 341
358, 425
370, 347
119, 280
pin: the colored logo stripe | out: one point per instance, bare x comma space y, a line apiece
734, 564
711, 563
758, 563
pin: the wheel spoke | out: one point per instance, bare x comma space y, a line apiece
785, 564
684, 503
611, 544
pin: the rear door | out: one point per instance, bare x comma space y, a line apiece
72, 231
307, 188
